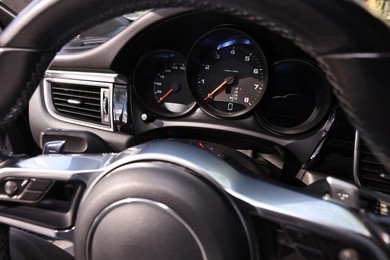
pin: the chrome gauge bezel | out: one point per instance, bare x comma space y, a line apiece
197, 63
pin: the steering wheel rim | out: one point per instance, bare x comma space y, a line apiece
354, 60
350, 45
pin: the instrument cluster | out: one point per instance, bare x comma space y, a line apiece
226, 74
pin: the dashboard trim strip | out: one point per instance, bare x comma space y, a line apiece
87, 76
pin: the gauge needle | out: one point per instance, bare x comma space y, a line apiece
228, 80
175, 88
165, 96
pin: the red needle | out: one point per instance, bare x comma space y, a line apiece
226, 81
165, 96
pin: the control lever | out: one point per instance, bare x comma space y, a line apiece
372, 206
337, 190
74, 142
54, 147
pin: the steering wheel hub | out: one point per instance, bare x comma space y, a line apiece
156, 210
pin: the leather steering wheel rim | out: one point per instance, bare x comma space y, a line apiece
351, 46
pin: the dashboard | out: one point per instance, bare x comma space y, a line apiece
218, 125
176, 73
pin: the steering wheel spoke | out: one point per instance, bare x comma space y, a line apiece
81, 198
233, 179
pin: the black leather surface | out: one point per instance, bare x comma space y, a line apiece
103, 56
25, 246
6, 15
319, 27
20, 72
4, 242
201, 208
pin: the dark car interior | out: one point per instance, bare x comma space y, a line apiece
194, 130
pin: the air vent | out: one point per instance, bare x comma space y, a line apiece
370, 172
81, 102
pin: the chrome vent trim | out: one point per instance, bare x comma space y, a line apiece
368, 172
81, 98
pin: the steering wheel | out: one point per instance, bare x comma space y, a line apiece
350, 45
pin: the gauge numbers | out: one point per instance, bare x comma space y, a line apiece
232, 81
230, 74
161, 84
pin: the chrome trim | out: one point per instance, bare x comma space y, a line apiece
243, 185
106, 97
155, 204
229, 171
325, 132
101, 85
356, 158
15, 49
309, 177
86, 76
101, 80
57, 168
357, 55
74, 101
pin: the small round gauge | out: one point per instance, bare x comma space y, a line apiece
160, 84
227, 72
168, 82
297, 99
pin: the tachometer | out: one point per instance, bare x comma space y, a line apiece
227, 72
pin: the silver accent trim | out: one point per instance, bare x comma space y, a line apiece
356, 158
309, 177
57, 168
50, 108
357, 55
325, 132
106, 97
74, 101
10, 49
155, 204
86, 76
227, 170
266, 197
104, 81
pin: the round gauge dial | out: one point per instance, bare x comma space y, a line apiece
228, 73
167, 86
298, 97
160, 84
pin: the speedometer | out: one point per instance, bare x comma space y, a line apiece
227, 72
161, 85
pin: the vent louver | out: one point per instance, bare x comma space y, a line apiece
372, 173
80, 102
